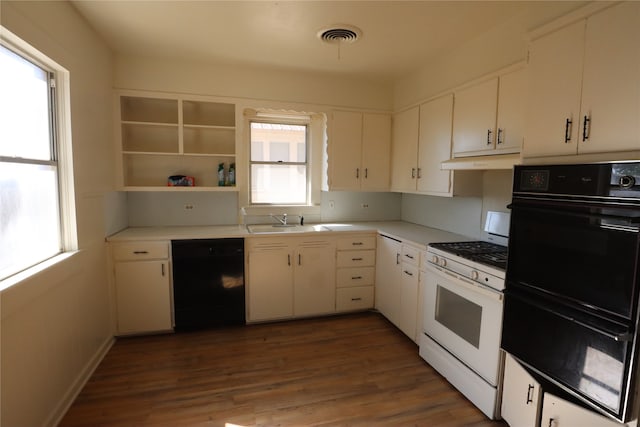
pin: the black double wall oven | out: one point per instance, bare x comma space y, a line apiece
573, 279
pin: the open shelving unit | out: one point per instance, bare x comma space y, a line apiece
162, 135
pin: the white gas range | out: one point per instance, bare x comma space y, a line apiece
463, 314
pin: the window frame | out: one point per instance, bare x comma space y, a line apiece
303, 120
61, 155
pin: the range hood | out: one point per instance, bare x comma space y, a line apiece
495, 162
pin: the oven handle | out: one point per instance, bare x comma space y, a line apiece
468, 284
630, 219
623, 336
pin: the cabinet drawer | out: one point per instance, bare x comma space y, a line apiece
410, 255
356, 258
357, 276
356, 298
357, 242
133, 251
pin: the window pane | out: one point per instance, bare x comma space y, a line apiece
29, 220
272, 142
278, 184
24, 108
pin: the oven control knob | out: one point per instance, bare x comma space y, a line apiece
443, 262
435, 259
474, 275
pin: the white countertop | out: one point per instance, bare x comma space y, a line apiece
400, 230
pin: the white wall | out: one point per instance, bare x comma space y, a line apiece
56, 324
499, 47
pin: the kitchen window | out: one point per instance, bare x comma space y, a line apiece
34, 154
278, 163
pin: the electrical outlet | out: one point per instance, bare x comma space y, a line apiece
188, 207
332, 204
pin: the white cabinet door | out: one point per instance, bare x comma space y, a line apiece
143, 296
511, 112
558, 412
408, 315
611, 81
474, 118
436, 117
404, 146
521, 396
315, 281
387, 293
270, 283
376, 151
346, 149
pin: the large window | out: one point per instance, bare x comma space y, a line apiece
30, 221
279, 172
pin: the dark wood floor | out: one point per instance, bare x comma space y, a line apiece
353, 370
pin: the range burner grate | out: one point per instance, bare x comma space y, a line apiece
479, 251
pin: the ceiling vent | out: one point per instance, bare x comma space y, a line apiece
340, 34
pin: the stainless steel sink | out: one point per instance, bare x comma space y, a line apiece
279, 228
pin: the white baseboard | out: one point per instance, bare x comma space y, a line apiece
70, 396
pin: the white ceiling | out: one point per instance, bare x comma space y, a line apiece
397, 36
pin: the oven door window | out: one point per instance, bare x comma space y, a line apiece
584, 257
459, 315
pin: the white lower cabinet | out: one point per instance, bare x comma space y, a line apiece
558, 412
521, 396
355, 273
290, 277
525, 405
142, 287
397, 284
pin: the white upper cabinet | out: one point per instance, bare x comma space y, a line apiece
404, 149
489, 116
584, 86
359, 148
475, 118
435, 145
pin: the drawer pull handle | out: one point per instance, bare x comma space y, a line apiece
140, 252
356, 299
409, 256
356, 259
357, 243
408, 273
529, 394
356, 277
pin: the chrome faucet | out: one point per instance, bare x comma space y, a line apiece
282, 219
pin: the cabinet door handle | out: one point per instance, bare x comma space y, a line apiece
499, 136
162, 269
397, 258
419, 173
567, 130
586, 128
413, 172
529, 394
489, 136
299, 259
288, 259
366, 173
357, 172
551, 421
140, 252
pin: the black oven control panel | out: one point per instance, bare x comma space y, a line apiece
596, 179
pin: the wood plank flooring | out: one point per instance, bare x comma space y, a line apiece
351, 370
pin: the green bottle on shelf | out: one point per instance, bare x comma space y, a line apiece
232, 174
221, 175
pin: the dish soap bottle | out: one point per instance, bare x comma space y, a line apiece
232, 174
221, 175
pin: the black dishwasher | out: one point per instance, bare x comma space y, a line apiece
208, 283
